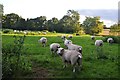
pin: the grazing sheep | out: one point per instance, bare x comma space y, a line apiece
93, 37
99, 49
54, 47
70, 56
43, 40
98, 43
110, 40
63, 37
71, 46
70, 36
67, 42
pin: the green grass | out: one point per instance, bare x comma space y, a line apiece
92, 67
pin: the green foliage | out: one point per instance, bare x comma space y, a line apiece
115, 38
115, 28
92, 25
9, 31
13, 62
68, 24
9, 20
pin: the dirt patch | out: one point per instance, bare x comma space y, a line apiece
38, 72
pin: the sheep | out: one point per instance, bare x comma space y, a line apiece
93, 37
98, 43
43, 40
67, 42
70, 56
70, 36
71, 46
110, 40
63, 37
54, 47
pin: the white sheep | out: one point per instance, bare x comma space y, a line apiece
54, 47
43, 40
71, 46
63, 37
67, 42
98, 43
110, 40
70, 36
70, 56
93, 37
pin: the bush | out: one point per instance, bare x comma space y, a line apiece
13, 61
115, 38
8, 31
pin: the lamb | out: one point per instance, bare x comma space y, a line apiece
93, 37
70, 56
98, 43
43, 40
54, 47
71, 46
70, 36
67, 42
110, 40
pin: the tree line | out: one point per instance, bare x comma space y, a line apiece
69, 23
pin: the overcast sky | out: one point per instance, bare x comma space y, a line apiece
106, 9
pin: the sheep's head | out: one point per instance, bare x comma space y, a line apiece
60, 51
80, 50
69, 42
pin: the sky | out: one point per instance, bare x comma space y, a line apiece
106, 9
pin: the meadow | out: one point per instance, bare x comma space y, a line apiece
44, 65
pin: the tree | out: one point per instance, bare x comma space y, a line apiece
115, 28
66, 24
75, 19
21, 24
92, 25
10, 20
70, 22
52, 24
36, 23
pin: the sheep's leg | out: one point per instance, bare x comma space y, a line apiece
74, 68
79, 64
97, 51
65, 64
44, 45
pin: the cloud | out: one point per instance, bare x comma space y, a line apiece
107, 14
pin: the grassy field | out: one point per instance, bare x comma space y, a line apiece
45, 65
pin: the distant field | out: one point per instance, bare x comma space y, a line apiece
44, 65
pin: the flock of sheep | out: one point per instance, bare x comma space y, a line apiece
73, 53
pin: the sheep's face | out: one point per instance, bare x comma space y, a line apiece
60, 51
80, 50
93, 38
111, 41
57, 48
69, 42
